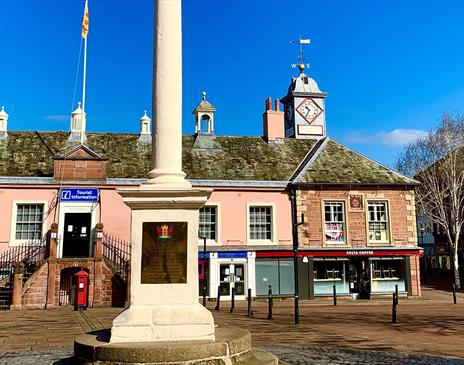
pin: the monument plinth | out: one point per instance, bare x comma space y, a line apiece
164, 268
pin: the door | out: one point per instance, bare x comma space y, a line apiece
76, 237
232, 276
360, 282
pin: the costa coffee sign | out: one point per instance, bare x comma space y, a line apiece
342, 253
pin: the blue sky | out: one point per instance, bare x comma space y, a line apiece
390, 67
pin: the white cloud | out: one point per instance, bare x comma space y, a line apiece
396, 138
56, 117
401, 137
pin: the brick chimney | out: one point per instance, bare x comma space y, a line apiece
273, 121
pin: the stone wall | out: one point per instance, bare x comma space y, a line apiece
401, 216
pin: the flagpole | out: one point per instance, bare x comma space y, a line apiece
83, 121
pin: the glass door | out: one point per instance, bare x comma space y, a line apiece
232, 276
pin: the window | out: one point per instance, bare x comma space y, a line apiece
29, 219
278, 273
208, 223
378, 221
334, 222
260, 223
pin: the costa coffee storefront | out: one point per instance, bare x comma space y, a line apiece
357, 273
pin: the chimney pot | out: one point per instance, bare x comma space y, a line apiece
277, 105
268, 104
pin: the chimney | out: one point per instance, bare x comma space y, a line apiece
273, 122
3, 123
145, 129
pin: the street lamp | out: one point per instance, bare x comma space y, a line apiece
204, 270
422, 230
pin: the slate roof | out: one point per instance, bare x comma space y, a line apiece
239, 158
204, 106
338, 164
25, 153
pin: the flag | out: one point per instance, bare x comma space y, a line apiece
85, 21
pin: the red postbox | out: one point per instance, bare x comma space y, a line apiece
82, 280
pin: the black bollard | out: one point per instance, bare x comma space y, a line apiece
249, 303
455, 299
218, 298
232, 302
335, 295
395, 304
269, 301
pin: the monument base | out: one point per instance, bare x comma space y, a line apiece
231, 347
146, 323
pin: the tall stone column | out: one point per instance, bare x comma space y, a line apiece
164, 214
166, 159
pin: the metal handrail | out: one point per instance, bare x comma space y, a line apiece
117, 252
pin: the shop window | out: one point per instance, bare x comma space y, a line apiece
278, 273
29, 220
260, 223
378, 221
208, 223
334, 216
386, 274
386, 269
328, 273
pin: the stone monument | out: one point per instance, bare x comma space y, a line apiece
165, 323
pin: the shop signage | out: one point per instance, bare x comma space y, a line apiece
79, 195
342, 253
232, 255
200, 255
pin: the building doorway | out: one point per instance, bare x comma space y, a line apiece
68, 285
76, 238
232, 276
360, 280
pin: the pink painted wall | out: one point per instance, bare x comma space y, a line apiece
8, 195
115, 215
233, 214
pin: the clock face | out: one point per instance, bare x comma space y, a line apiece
309, 110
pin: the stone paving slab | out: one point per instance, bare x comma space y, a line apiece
309, 355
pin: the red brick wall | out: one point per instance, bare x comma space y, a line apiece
401, 215
79, 169
111, 289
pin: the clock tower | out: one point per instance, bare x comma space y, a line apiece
304, 108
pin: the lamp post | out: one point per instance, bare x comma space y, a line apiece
204, 271
422, 230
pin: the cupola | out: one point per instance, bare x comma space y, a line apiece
304, 105
78, 119
204, 116
145, 129
3, 123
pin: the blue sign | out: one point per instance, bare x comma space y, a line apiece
232, 255
89, 195
200, 255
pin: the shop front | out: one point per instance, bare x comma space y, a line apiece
360, 274
225, 271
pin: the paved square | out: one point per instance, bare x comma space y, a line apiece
354, 332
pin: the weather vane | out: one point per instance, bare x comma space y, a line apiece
301, 42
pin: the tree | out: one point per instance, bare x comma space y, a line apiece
437, 161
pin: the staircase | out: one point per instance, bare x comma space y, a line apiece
116, 253
31, 254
